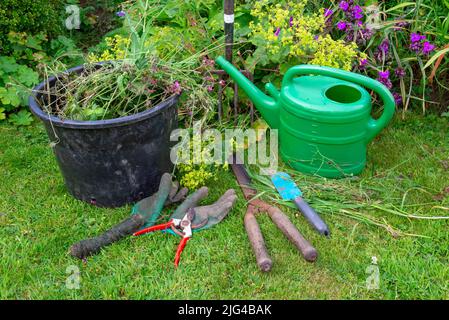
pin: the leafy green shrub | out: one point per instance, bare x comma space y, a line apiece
14, 80
19, 70
30, 16
24, 26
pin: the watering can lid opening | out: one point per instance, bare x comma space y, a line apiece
326, 94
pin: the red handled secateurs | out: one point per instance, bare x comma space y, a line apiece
182, 227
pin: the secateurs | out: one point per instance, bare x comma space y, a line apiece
182, 227
188, 216
199, 218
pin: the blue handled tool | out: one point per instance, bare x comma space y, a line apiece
289, 191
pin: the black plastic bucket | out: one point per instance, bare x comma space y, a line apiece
113, 162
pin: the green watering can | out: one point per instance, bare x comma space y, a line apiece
324, 121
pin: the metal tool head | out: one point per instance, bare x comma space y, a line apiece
188, 218
285, 186
183, 227
189, 222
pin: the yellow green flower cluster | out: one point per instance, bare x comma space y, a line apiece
336, 53
194, 172
164, 41
194, 177
116, 49
286, 30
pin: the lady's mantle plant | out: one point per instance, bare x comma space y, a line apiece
284, 33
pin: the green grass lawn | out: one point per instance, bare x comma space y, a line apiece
407, 172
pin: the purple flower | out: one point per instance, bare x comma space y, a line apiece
382, 50
397, 98
121, 14
358, 16
385, 45
384, 78
290, 22
342, 25
208, 63
416, 37
399, 72
418, 46
400, 25
384, 74
366, 34
427, 48
386, 82
349, 33
357, 13
344, 5
328, 12
362, 64
176, 88
277, 32
415, 46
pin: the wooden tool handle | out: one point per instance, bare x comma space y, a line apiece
92, 246
256, 239
292, 233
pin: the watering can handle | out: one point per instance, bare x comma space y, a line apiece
374, 126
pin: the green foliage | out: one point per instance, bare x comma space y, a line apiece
18, 74
30, 16
97, 17
22, 118
415, 77
177, 31
14, 81
137, 78
178, 28
36, 50
286, 35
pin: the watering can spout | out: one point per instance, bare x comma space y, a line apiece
267, 106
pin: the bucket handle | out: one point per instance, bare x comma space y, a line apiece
374, 126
